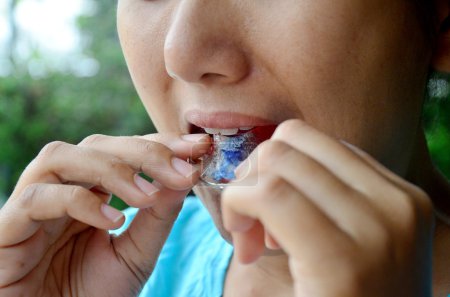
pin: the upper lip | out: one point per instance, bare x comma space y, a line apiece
224, 119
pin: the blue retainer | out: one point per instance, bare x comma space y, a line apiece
227, 153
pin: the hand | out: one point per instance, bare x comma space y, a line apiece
53, 228
349, 226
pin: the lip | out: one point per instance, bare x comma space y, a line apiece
224, 119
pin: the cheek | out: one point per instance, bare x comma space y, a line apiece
142, 49
142, 40
313, 56
327, 49
352, 72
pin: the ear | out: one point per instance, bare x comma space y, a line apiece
441, 54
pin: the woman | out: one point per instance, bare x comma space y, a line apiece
318, 216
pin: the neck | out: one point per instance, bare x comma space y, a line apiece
423, 173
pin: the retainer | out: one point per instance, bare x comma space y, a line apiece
227, 152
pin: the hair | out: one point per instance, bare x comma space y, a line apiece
428, 17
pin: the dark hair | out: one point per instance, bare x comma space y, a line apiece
428, 17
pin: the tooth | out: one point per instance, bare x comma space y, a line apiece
212, 131
246, 128
229, 131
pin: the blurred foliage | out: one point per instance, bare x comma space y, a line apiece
436, 119
63, 106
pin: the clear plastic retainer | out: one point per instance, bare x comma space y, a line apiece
227, 152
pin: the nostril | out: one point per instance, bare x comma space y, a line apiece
216, 78
211, 76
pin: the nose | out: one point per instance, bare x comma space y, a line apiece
202, 46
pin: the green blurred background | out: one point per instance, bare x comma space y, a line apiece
87, 90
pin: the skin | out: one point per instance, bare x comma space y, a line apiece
373, 62
325, 218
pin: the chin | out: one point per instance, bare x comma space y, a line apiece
210, 198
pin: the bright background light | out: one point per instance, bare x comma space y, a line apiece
47, 37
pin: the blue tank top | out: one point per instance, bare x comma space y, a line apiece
194, 259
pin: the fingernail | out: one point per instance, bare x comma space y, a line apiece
111, 213
182, 167
195, 137
148, 188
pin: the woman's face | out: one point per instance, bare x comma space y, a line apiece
354, 69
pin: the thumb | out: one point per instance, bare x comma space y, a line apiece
139, 246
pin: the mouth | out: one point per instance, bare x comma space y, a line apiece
226, 123
234, 136
224, 132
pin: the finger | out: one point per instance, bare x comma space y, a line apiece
135, 149
270, 242
297, 224
13, 266
334, 155
103, 194
239, 223
344, 205
184, 146
139, 151
249, 245
349, 209
140, 245
20, 218
154, 154
384, 191
69, 163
